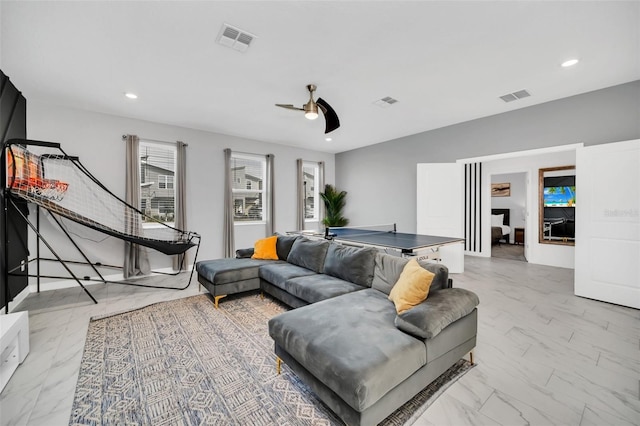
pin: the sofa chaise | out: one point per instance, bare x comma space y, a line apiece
345, 339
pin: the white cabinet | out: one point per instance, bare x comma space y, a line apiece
14, 344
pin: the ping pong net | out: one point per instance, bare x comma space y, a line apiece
346, 231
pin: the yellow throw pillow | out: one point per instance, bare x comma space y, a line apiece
412, 287
265, 249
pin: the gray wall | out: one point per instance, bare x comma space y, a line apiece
381, 179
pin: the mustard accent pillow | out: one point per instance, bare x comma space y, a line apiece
412, 287
265, 249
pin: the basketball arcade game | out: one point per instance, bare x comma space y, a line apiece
43, 174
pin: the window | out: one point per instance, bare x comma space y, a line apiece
311, 173
165, 182
157, 188
248, 173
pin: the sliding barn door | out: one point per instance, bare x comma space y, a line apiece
439, 208
607, 251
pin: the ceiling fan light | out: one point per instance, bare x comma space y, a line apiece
311, 110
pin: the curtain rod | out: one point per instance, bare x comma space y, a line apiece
124, 137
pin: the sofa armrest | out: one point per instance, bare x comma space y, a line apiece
441, 308
244, 253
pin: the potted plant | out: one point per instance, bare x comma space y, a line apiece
334, 202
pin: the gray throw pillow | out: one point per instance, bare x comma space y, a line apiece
353, 264
387, 271
284, 244
441, 308
308, 253
441, 272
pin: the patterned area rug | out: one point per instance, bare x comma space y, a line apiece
183, 362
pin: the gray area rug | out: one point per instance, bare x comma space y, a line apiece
183, 362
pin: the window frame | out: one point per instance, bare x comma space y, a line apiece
261, 188
316, 190
161, 146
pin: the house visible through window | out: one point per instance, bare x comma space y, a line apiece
248, 174
311, 174
157, 188
165, 182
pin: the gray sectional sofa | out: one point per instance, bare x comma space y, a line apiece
345, 339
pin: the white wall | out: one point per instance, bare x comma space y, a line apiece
97, 140
516, 202
544, 254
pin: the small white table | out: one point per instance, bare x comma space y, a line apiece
14, 344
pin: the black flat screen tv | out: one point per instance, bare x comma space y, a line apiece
559, 196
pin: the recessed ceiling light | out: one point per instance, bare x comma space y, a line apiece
328, 139
131, 95
569, 63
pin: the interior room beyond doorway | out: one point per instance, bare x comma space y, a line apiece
508, 215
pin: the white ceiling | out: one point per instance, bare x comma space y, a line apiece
445, 62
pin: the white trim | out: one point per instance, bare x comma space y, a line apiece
526, 153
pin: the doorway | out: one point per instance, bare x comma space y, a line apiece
508, 215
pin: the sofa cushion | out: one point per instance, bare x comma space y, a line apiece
283, 245
412, 286
317, 287
353, 264
441, 275
350, 344
228, 270
441, 308
278, 274
265, 248
386, 272
308, 253
244, 253
388, 268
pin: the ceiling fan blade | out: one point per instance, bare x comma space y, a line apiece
289, 106
330, 116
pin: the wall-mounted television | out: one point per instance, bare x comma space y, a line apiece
559, 196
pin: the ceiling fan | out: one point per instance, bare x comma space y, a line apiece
311, 110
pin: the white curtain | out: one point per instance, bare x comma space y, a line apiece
270, 210
136, 262
181, 199
228, 234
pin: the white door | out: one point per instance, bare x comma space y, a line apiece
439, 208
607, 251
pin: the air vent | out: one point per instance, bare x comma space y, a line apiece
235, 38
510, 97
385, 102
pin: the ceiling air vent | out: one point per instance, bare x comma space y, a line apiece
385, 102
509, 97
235, 38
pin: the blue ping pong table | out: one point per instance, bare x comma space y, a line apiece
422, 247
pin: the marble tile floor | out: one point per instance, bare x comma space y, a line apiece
544, 356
